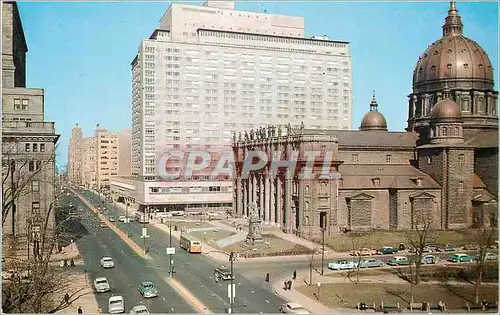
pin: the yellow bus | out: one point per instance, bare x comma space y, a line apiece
190, 243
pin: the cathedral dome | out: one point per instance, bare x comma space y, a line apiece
373, 120
454, 57
446, 108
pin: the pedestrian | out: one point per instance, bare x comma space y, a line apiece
72, 262
286, 285
441, 306
65, 262
294, 274
66, 298
289, 284
80, 311
99, 310
267, 277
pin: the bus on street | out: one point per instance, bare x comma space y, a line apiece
190, 243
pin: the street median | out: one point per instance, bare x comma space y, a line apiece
139, 251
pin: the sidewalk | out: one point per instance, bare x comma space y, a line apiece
309, 304
87, 298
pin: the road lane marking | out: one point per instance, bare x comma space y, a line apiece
201, 308
252, 291
172, 309
267, 301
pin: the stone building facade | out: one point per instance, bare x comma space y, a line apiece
442, 170
28, 142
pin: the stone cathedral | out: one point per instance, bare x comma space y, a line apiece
444, 163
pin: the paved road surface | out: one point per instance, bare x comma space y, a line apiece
129, 269
195, 273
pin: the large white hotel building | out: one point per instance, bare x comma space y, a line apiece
209, 71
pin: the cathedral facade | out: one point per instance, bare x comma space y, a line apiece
441, 171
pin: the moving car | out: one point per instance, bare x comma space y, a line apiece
101, 284
116, 305
369, 263
387, 250
429, 259
122, 218
488, 256
139, 309
111, 219
293, 308
107, 262
223, 273
460, 258
148, 289
342, 265
399, 261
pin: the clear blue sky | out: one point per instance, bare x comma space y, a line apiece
80, 53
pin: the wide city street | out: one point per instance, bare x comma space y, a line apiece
129, 270
194, 272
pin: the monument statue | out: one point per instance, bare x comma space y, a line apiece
254, 236
246, 136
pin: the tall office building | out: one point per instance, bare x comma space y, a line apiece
125, 152
209, 71
28, 141
75, 156
94, 160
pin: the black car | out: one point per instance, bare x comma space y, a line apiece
387, 250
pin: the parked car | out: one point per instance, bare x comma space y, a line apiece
110, 218
387, 250
471, 247
399, 261
448, 248
107, 262
148, 289
293, 308
116, 305
460, 258
342, 265
122, 218
488, 256
103, 224
369, 263
101, 284
139, 309
363, 252
429, 259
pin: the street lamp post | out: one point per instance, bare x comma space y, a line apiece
323, 251
231, 295
170, 245
144, 227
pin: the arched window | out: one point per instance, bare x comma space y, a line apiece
306, 220
444, 131
306, 206
307, 190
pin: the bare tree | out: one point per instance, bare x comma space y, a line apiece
356, 253
420, 234
485, 238
36, 283
18, 173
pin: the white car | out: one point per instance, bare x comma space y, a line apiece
122, 218
293, 308
342, 265
139, 309
101, 284
107, 262
116, 305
